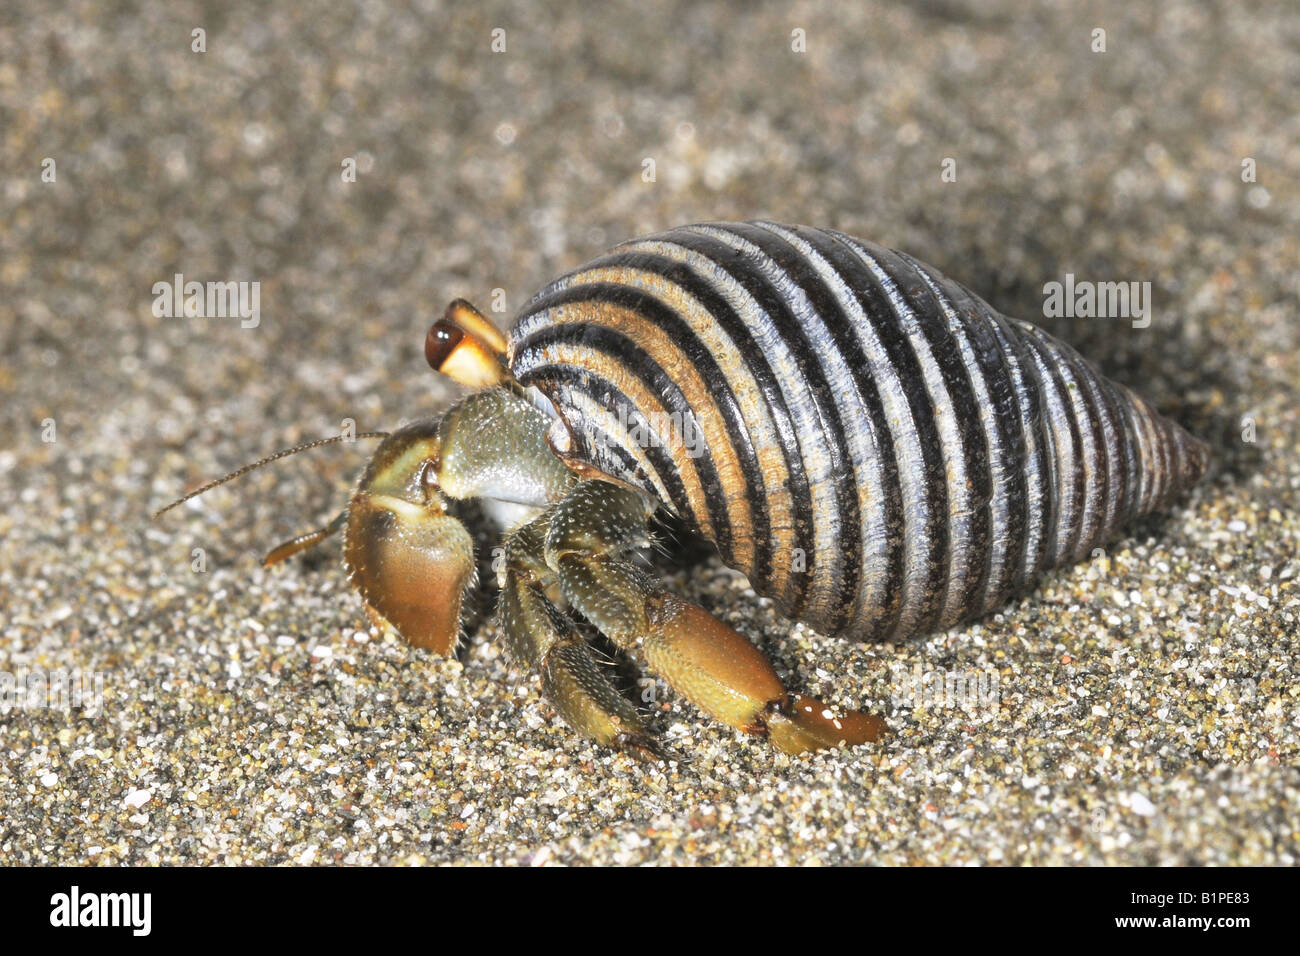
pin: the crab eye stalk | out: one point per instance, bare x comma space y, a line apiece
466, 347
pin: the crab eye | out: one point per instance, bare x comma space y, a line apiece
441, 341
458, 353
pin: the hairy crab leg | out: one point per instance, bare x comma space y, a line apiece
540, 637
709, 663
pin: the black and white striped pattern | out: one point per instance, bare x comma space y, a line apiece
880, 451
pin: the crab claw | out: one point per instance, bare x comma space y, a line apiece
409, 558
411, 567
801, 723
728, 677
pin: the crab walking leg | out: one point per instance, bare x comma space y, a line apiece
539, 636
712, 665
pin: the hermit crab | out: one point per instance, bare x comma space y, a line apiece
877, 449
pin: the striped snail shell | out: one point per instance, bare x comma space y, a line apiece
881, 452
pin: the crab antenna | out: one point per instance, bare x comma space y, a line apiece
284, 453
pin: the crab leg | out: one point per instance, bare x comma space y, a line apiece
540, 636
708, 662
